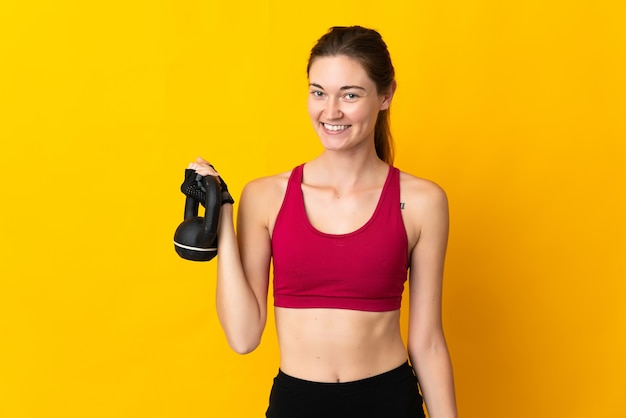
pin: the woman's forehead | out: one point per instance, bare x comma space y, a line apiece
338, 71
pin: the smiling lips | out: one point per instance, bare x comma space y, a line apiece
335, 128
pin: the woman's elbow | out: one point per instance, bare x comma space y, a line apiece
243, 348
433, 342
243, 344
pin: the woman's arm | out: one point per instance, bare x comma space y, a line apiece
243, 264
427, 346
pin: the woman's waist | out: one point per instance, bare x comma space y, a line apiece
340, 367
323, 345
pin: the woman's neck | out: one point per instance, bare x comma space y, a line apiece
345, 172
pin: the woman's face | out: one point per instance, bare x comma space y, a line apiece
343, 103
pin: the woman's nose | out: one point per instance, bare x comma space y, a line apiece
332, 110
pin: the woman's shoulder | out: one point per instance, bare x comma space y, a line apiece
417, 184
266, 188
266, 183
424, 203
421, 191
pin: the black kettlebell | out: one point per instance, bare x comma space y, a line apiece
195, 238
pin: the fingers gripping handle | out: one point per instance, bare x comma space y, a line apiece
194, 187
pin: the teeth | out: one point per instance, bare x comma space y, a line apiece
335, 127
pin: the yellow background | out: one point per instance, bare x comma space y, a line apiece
516, 108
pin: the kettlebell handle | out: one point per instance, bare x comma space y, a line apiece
212, 209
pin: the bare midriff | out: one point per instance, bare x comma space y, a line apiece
338, 345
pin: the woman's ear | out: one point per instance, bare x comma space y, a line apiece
388, 96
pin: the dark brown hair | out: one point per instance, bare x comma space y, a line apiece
368, 48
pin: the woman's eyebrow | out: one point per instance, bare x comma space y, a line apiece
352, 87
341, 88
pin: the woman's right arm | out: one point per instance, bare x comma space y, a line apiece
243, 265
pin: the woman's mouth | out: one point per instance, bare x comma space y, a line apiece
335, 128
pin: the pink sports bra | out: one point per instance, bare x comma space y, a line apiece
362, 270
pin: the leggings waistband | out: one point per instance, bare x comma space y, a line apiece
402, 371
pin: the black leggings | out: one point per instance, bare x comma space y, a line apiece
393, 394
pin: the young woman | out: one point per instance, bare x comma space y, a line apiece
342, 230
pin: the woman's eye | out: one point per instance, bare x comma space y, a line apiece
350, 96
317, 93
